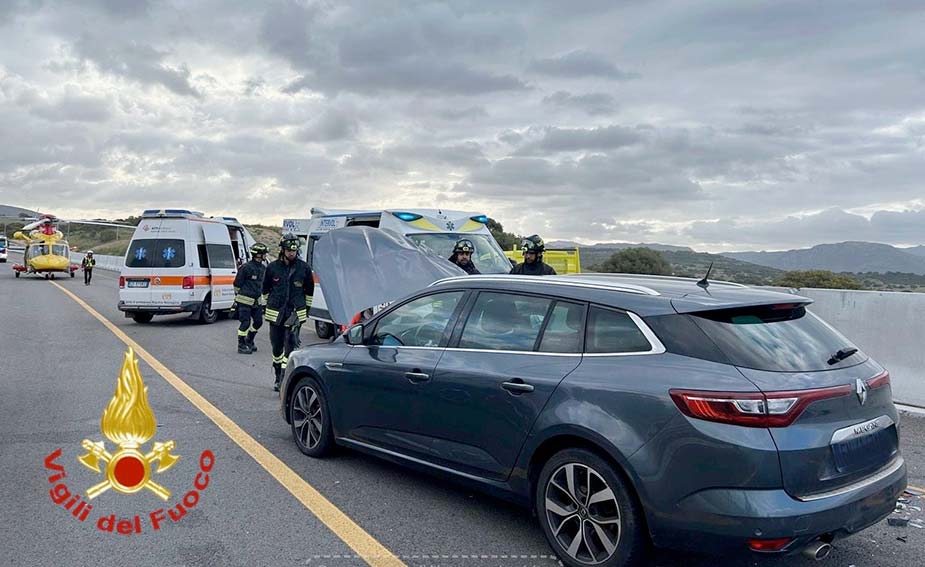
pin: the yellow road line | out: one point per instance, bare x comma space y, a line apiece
365, 546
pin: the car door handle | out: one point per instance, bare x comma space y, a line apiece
417, 377
517, 387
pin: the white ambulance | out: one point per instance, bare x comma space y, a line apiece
180, 261
433, 230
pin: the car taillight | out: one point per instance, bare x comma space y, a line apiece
752, 409
121, 282
188, 282
880, 380
769, 544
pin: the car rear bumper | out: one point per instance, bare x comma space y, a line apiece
185, 307
723, 520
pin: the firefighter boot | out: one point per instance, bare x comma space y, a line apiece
278, 372
243, 347
251, 335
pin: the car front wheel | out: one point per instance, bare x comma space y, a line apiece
587, 512
310, 418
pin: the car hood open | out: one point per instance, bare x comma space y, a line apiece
360, 267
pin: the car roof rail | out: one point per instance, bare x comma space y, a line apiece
552, 280
657, 277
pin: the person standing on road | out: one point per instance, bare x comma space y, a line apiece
533, 264
288, 286
87, 264
462, 256
248, 288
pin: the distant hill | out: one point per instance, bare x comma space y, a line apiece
14, 212
917, 250
617, 246
688, 263
842, 257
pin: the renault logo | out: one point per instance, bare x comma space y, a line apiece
860, 388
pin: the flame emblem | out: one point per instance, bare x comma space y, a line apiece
129, 423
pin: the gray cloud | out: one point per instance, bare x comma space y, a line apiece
593, 103
136, 61
574, 139
75, 108
742, 129
580, 63
329, 127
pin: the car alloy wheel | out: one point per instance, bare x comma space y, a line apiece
307, 417
583, 513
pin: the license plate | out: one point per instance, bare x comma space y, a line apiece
863, 452
137, 283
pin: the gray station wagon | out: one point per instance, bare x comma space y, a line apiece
623, 410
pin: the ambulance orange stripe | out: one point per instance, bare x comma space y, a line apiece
197, 280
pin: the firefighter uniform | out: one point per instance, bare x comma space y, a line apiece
288, 287
248, 288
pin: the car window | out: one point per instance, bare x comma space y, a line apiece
779, 338
504, 322
614, 332
563, 331
421, 322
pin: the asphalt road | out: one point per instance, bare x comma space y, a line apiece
58, 369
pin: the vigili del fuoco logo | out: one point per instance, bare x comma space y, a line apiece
129, 423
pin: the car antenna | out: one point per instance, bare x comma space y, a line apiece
704, 283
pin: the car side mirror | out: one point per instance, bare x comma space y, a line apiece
354, 335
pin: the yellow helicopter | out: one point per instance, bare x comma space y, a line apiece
47, 252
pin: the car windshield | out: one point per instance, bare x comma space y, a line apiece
488, 257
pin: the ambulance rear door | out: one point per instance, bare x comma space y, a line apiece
222, 267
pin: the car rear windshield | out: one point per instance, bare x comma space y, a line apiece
156, 253
778, 338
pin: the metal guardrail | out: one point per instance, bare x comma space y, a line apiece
110, 263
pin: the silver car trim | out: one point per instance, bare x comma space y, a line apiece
859, 430
376, 448
895, 466
627, 287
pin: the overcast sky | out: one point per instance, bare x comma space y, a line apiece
719, 125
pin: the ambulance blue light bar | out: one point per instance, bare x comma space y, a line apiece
407, 217
480, 218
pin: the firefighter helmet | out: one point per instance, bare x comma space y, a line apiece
464, 245
533, 244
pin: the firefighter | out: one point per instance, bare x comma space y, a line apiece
248, 289
533, 264
87, 264
462, 256
288, 286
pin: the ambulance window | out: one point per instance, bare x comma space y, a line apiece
220, 257
203, 256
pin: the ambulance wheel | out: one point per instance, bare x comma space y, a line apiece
142, 317
324, 330
206, 315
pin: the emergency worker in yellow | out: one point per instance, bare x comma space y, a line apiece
288, 286
248, 289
